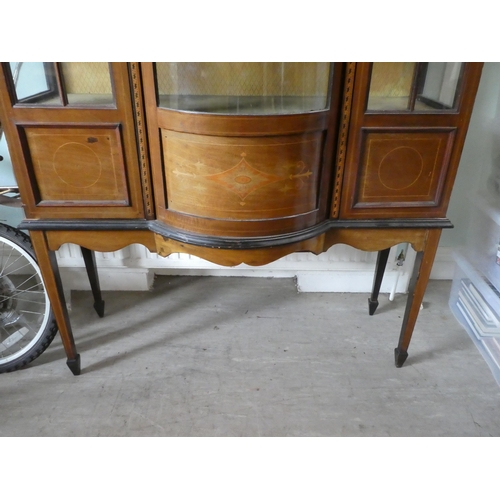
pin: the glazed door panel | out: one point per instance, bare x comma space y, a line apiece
74, 139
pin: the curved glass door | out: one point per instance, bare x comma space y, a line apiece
244, 88
242, 149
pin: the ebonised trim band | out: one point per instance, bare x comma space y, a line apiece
229, 243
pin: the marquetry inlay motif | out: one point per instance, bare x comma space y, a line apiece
243, 179
83, 172
142, 139
400, 168
342, 144
260, 178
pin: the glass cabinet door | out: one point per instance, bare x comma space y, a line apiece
244, 88
414, 87
71, 126
87, 84
405, 137
34, 82
61, 84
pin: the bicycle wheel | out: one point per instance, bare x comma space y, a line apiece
27, 325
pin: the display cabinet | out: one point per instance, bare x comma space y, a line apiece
237, 162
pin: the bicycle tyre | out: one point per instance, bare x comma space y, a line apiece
27, 324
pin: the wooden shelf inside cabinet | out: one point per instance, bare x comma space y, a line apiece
237, 162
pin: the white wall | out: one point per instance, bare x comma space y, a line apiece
480, 157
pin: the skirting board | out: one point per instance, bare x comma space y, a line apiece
312, 274
110, 278
444, 264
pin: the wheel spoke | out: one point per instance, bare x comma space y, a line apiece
17, 269
26, 281
12, 263
8, 297
39, 302
11, 250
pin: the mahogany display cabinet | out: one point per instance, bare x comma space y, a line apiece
236, 162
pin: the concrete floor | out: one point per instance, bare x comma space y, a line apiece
206, 356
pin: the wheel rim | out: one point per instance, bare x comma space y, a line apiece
24, 304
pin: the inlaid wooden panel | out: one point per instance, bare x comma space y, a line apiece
402, 168
77, 166
242, 178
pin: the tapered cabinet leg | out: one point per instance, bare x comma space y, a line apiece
382, 257
47, 262
418, 285
90, 265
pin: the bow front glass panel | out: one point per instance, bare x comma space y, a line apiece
244, 88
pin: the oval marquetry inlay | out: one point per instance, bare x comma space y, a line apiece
243, 179
77, 165
400, 168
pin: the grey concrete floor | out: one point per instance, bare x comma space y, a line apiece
207, 356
